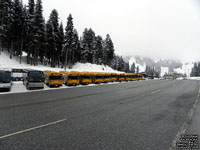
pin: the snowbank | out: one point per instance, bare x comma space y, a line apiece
6, 62
141, 67
193, 78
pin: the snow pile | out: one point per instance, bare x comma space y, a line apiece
141, 67
185, 69
6, 62
193, 78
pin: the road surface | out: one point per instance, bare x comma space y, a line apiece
144, 115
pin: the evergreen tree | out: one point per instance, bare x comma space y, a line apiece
30, 29
98, 50
137, 69
108, 50
6, 20
53, 38
17, 25
133, 67
88, 42
76, 47
50, 52
2, 34
68, 41
60, 44
39, 33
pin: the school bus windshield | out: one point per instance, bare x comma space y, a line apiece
86, 77
73, 77
55, 78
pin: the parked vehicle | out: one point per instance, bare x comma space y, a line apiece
139, 77
17, 74
128, 77
107, 77
134, 77
114, 77
5, 80
121, 77
71, 78
97, 77
53, 79
85, 78
33, 79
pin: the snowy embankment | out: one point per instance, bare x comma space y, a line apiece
6, 62
193, 78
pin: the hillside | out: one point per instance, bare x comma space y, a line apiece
166, 65
6, 62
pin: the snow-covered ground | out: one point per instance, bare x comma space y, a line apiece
6, 62
185, 69
193, 78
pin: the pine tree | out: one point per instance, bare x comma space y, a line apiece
17, 26
68, 41
30, 30
137, 69
98, 50
133, 67
60, 44
6, 12
76, 47
39, 33
88, 41
108, 50
2, 34
53, 38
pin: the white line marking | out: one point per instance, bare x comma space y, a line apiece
155, 92
30, 129
186, 123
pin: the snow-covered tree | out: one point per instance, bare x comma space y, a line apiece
68, 41
39, 33
133, 67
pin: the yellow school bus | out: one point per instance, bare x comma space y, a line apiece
85, 78
53, 79
97, 77
121, 77
107, 77
114, 77
128, 77
71, 78
139, 76
134, 77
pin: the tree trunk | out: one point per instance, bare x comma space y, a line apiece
66, 59
22, 41
11, 50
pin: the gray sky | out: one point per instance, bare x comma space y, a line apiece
155, 28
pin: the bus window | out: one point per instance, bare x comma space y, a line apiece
55, 78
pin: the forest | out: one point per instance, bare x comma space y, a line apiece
23, 29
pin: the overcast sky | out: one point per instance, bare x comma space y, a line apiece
155, 28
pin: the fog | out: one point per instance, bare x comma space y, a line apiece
153, 28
